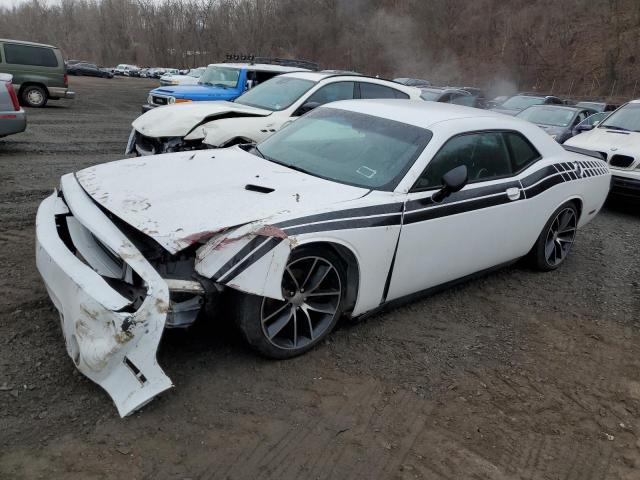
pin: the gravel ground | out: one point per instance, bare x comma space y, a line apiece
518, 375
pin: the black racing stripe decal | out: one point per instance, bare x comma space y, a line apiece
544, 185
535, 177
455, 208
255, 256
346, 224
425, 209
463, 195
341, 214
233, 261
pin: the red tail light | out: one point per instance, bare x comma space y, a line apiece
66, 80
13, 96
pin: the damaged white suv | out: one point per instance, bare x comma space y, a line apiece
254, 115
356, 205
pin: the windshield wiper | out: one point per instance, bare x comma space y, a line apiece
292, 167
615, 127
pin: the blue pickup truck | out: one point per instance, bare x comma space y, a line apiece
223, 81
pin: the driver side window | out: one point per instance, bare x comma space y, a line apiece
485, 155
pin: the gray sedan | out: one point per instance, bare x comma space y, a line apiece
557, 120
13, 119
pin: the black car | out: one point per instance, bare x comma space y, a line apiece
598, 106
413, 82
558, 121
88, 70
517, 103
470, 97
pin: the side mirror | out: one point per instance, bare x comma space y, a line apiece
306, 107
584, 128
453, 181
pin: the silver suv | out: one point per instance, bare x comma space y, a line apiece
12, 116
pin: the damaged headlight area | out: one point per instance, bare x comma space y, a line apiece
143, 145
116, 291
187, 293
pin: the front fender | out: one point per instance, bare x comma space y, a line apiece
219, 132
251, 259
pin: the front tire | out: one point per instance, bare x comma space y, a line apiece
313, 286
34, 96
557, 237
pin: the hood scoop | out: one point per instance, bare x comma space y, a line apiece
258, 188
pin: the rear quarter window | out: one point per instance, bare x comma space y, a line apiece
373, 90
522, 152
29, 55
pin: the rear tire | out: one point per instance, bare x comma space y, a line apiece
314, 287
34, 96
555, 240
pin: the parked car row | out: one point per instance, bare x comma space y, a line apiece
88, 70
189, 77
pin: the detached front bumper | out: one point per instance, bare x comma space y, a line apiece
110, 341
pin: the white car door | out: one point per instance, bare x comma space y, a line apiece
472, 230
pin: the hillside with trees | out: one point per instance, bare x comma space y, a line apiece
578, 47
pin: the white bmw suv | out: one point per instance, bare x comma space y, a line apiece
617, 138
256, 114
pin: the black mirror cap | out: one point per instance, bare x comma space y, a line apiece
584, 128
453, 181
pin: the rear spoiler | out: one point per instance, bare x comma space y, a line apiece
584, 151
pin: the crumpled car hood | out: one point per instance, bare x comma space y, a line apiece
179, 119
180, 198
603, 140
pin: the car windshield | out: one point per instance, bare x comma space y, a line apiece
223, 77
553, 116
196, 72
347, 147
520, 102
626, 118
276, 93
430, 94
595, 119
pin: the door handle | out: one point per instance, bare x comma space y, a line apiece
513, 193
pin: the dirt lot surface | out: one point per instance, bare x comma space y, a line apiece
519, 375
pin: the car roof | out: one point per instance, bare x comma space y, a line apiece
22, 42
418, 112
635, 101
563, 107
445, 90
265, 67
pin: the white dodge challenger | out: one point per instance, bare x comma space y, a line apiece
353, 207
